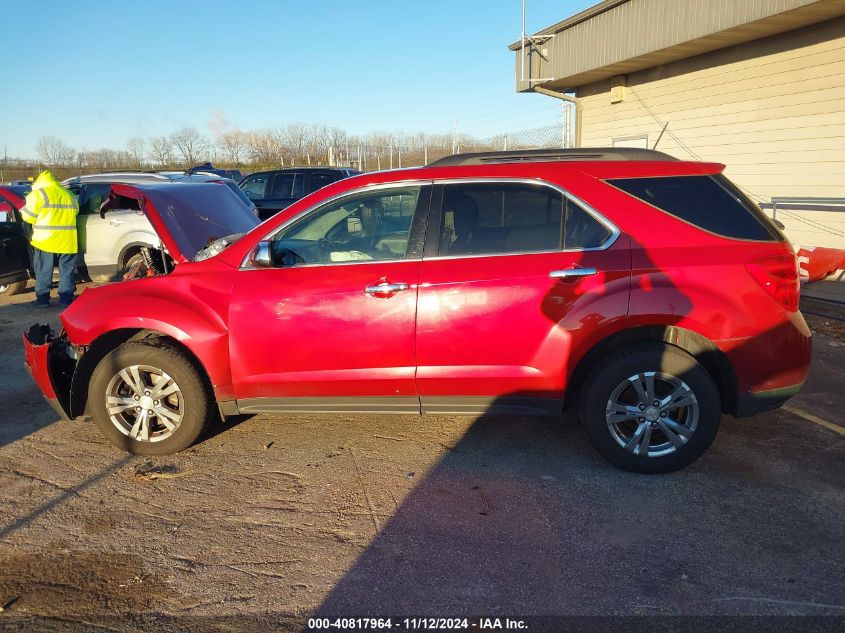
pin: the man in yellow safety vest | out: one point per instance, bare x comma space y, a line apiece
51, 210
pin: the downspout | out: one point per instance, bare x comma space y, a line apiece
565, 97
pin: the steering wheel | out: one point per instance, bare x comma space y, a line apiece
325, 248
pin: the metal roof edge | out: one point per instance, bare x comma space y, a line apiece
583, 16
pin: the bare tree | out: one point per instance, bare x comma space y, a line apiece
136, 148
264, 147
296, 143
190, 144
233, 145
53, 152
337, 139
161, 150
294, 138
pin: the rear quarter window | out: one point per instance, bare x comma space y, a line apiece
711, 203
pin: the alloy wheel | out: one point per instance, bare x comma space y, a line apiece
144, 403
652, 414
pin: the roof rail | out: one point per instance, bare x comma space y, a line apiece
553, 154
133, 174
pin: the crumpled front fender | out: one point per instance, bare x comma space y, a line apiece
48, 360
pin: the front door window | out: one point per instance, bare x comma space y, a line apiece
369, 226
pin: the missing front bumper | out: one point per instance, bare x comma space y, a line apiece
50, 361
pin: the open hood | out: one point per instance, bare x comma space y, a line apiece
186, 216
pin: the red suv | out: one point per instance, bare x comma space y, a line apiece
648, 292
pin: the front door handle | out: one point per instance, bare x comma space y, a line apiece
569, 273
115, 222
385, 289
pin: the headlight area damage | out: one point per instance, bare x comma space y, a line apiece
52, 361
194, 221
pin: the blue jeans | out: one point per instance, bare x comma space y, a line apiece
43, 263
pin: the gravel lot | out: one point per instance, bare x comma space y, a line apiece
277, 517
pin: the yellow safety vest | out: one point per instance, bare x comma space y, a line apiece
51, 210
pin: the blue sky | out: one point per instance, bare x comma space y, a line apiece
95, 73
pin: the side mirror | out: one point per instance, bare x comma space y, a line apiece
261, 256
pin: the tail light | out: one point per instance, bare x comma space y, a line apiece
778, 275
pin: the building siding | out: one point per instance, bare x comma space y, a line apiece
772, 110
642, 33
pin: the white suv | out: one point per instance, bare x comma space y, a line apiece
108, 246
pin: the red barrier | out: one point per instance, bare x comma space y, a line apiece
816, 262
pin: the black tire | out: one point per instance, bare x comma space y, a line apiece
14, 288
194, 399
638, 359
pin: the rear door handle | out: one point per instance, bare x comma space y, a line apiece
385, 289
569, 273
115, 222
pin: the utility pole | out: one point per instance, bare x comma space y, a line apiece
455, 138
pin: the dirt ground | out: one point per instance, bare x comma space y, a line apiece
274, 518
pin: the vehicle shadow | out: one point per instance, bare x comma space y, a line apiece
522, 517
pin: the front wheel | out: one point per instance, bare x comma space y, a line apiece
651, 409
149, 399
134, 265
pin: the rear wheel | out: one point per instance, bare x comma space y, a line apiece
16, 287
149, 399
651, 409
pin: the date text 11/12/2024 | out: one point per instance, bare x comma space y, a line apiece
415, 624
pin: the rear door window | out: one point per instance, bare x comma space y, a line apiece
287, 186
500, 218
93, 195
320, 179
711, 203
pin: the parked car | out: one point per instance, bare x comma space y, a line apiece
210, 170
15, 264
113, 245
272, 191
648, 292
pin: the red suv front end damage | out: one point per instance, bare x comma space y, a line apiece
51, 361
195, 221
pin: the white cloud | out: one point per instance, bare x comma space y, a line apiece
217, 122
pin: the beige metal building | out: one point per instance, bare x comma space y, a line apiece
758, 85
